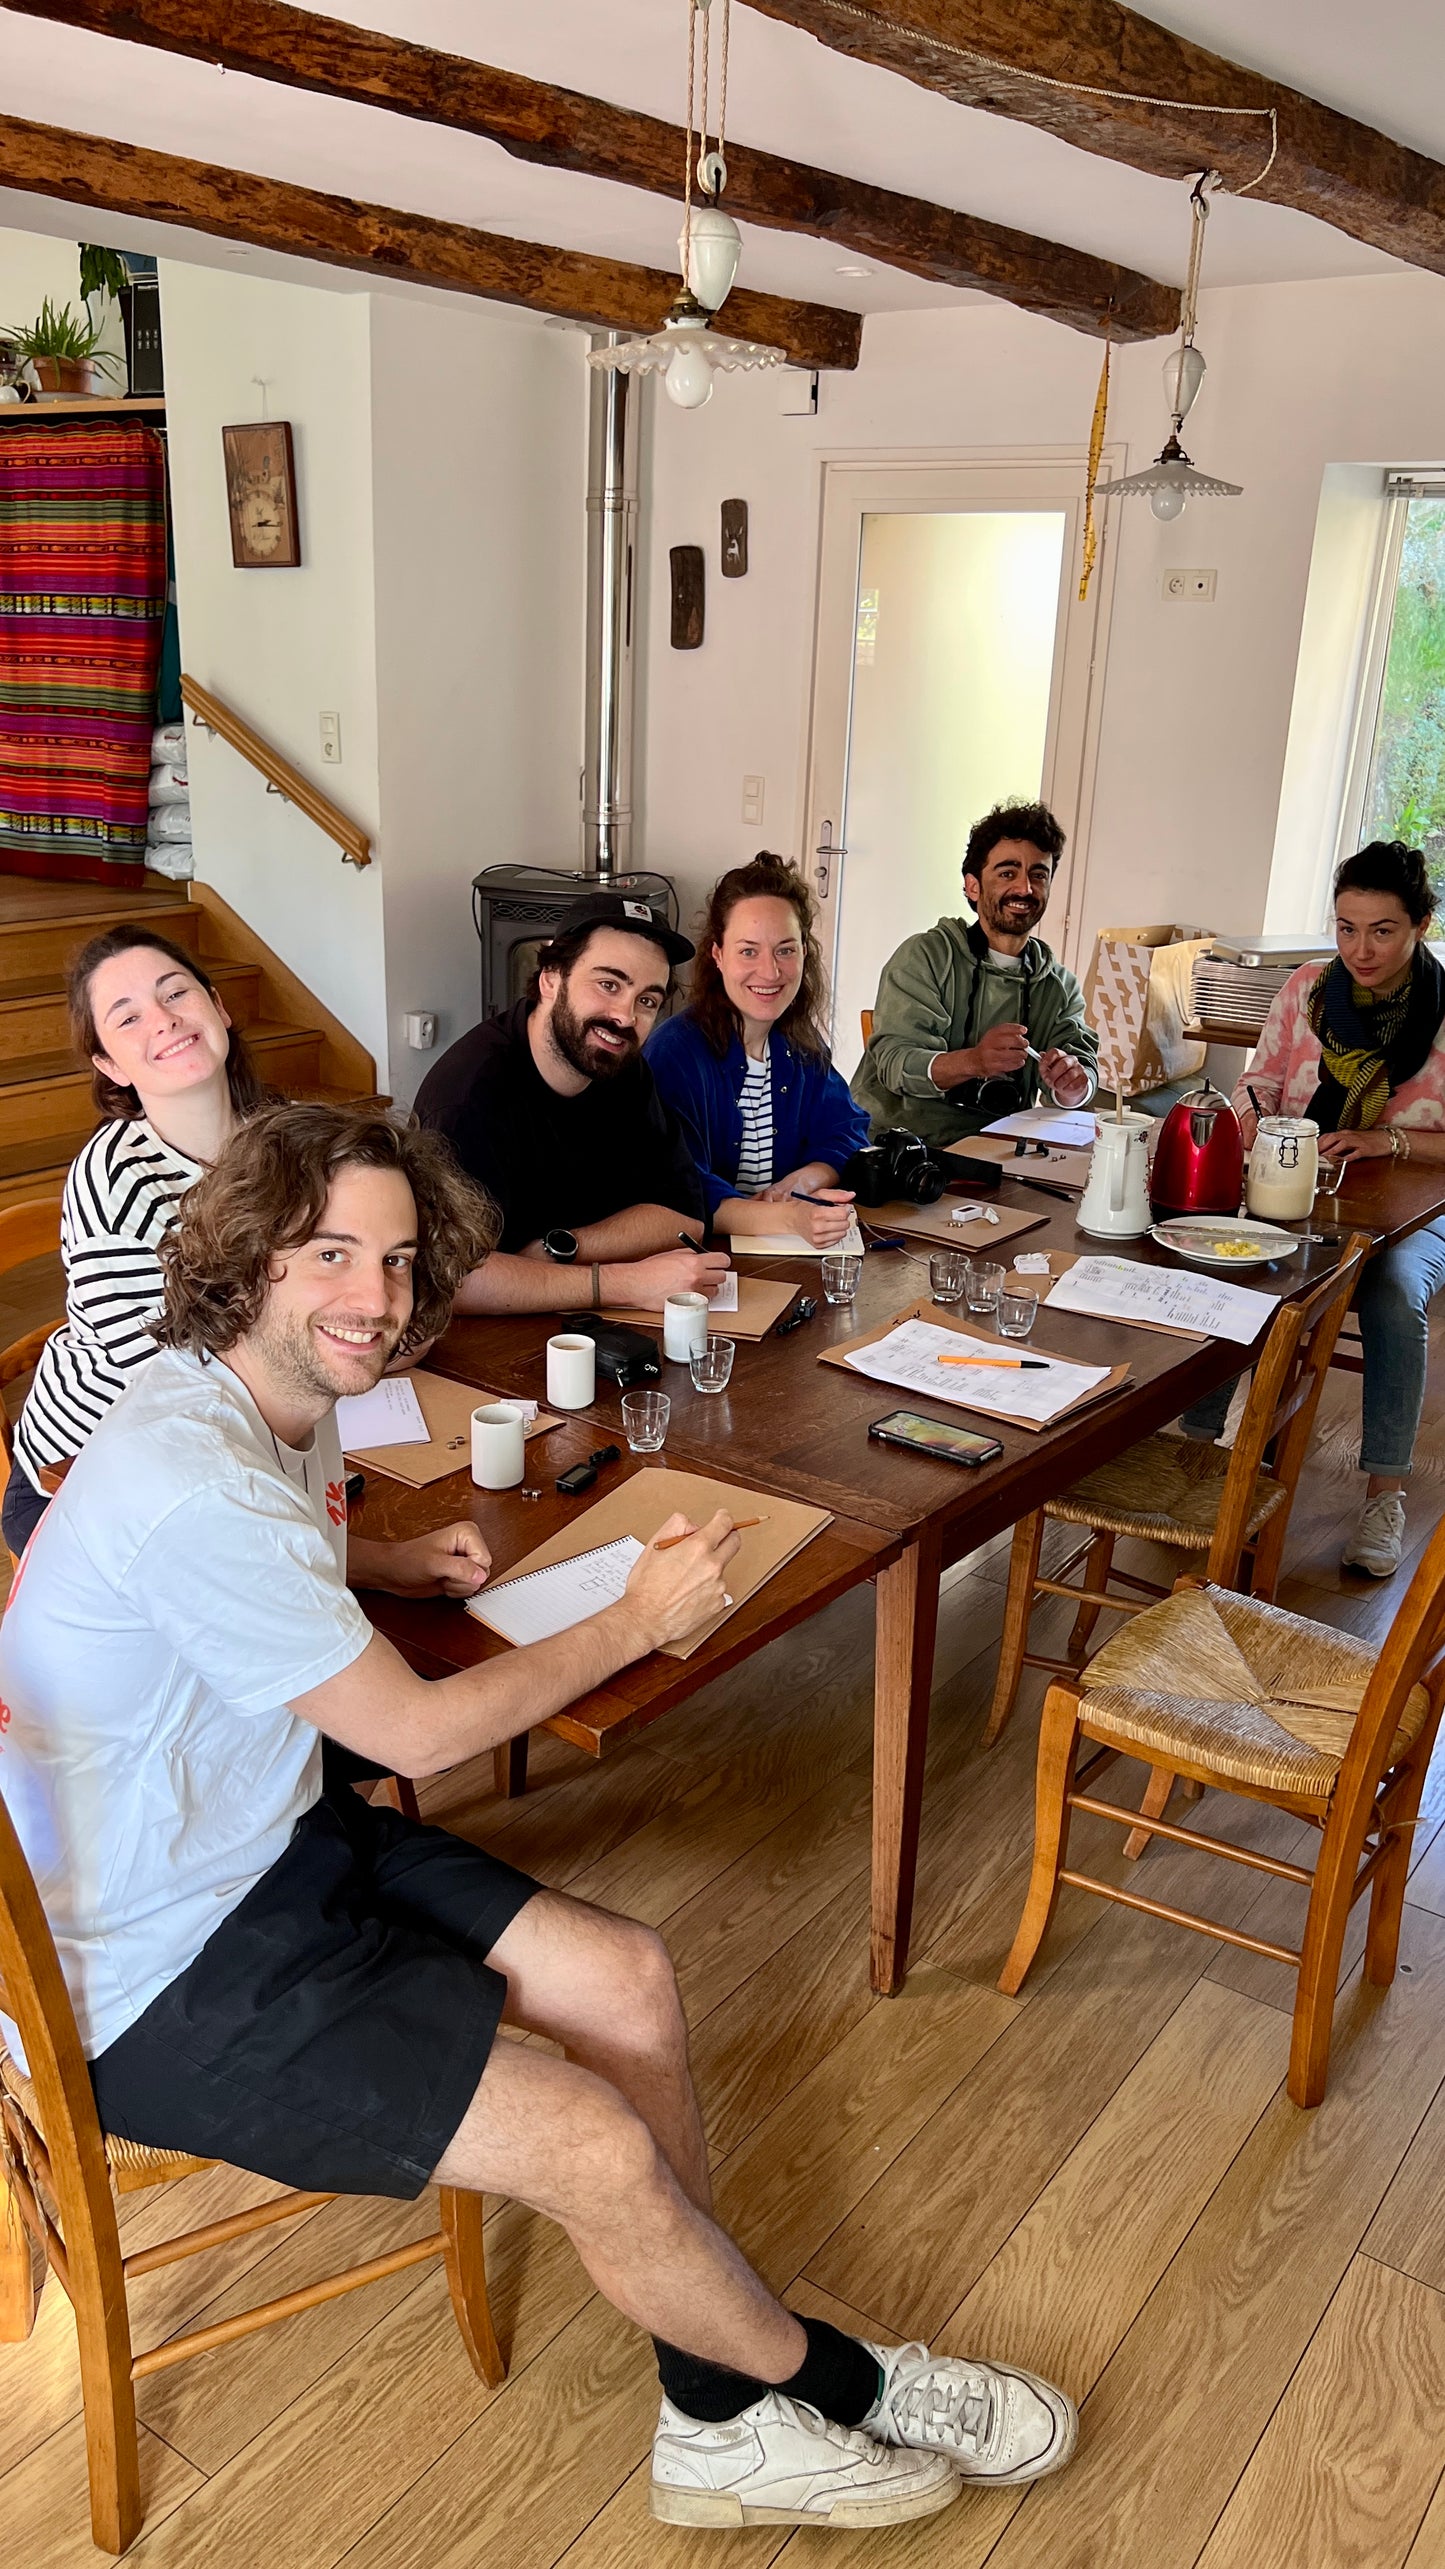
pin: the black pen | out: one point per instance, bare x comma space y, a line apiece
1041, 1186
688, 1241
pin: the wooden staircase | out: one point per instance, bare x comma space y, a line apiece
45, 1104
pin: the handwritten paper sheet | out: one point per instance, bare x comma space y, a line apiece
389, 1414
1117, 1289
791, 1244
546, 1602
725, 1298
909, 1357
1067, 1129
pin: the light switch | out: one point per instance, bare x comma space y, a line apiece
331, 739
753, 789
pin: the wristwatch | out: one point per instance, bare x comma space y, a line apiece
560, 1245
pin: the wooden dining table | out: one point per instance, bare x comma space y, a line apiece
789, 1425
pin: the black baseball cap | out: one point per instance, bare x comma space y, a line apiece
630, 912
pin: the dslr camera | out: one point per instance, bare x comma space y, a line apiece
897, 1167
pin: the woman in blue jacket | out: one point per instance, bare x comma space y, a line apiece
745, 1065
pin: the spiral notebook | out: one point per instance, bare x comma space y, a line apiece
546, 1602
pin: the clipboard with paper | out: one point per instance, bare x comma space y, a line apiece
921, 1335
636, 1509
446, 1409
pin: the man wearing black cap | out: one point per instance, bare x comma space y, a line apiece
552, 1109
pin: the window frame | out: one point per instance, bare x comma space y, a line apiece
1400, 488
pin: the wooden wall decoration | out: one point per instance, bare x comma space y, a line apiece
689, 577
734, 539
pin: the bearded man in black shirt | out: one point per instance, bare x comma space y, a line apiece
551, 1107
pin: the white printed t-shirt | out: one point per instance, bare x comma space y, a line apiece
184, 1586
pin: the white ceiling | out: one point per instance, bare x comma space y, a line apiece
788, 94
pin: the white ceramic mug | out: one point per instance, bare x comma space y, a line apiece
498, 1446
571, 1372
684, 1326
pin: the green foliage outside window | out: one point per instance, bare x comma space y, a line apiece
1405, 798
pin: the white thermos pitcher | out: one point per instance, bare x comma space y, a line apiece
1116, 1200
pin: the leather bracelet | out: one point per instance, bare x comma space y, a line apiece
596, 1286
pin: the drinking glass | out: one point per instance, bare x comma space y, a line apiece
1329, 1177
983, 1286
948, 1275
841, 1270
712, 1366
1017, 1313
644, 1418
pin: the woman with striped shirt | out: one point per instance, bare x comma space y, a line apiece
173, 1077
745, 1067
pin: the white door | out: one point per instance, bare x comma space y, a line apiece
953, 670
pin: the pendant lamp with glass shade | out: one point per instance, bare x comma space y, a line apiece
1172, 479
687, 351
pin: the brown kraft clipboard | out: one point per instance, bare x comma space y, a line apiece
759, 1305
1058, 1167
641, 1505
933, 1223
968, 1327
447, 1408
1060, 1261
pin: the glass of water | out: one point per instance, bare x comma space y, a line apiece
841, 1270
711, 1367
1017, 1313
948, 1275
983, 1286
644, 1419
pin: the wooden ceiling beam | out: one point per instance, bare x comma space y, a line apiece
1328, 165
560, 129
379, 240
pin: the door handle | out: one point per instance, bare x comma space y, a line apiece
824, 854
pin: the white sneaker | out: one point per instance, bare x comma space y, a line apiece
782, 2463
994, 2422
1379, 1538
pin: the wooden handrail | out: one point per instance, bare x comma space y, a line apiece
281, 777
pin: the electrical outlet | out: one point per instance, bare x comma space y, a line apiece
753, 790
331, 740
1198, 585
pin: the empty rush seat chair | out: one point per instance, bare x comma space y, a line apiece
59, 2176
1228, 1691
1230, 1509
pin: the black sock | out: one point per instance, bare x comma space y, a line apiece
837, 2375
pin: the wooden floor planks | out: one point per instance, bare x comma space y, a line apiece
1101, 2177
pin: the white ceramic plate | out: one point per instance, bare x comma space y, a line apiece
1198, 1237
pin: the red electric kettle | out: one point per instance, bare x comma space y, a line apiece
1199, 1164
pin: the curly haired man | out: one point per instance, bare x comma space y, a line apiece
267, 1973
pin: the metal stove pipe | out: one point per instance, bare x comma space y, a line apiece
611, 570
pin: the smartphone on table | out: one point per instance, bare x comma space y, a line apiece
920, 1435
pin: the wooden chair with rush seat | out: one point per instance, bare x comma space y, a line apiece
1233, 1507
26, 1231
1279, 1710
59, 2175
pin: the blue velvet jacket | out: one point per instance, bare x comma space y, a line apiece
814, 1118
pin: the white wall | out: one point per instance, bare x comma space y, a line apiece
1197, 701
479, 457
441, 464
282, 646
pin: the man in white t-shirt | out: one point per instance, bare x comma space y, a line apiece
310, 1987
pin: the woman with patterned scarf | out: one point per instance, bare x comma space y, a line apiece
1360, 1048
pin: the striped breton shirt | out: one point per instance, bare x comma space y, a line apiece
755, 1105
120, 1201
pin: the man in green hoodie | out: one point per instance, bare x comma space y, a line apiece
971, 1019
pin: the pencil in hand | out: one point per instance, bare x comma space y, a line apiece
740, 1526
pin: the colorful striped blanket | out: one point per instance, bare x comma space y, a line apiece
82, 603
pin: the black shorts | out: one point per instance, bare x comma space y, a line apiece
331, 2033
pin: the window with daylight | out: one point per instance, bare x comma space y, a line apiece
1399, 767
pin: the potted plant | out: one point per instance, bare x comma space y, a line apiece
61, 350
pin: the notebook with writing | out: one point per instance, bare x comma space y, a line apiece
636, 1509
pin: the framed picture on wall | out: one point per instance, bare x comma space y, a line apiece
261, 496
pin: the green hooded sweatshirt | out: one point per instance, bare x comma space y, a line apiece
939, 993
